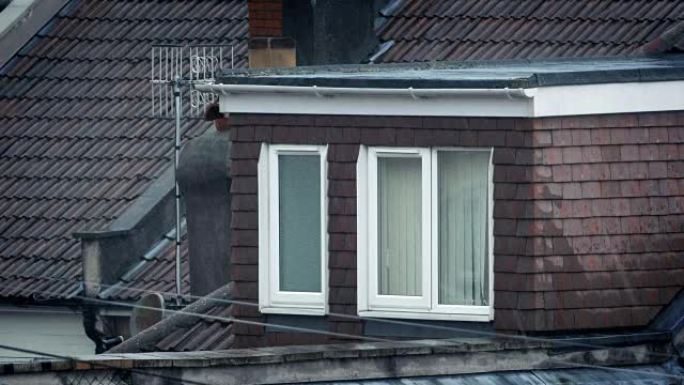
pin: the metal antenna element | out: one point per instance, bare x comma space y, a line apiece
175, 68
192, 64
176, 152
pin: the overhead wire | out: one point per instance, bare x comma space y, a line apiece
352, 336
561, 343
564, 342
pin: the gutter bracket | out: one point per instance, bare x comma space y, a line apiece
413, 94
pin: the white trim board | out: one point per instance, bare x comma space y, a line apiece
570, 100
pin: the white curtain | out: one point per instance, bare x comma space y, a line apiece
462, 240
399, 226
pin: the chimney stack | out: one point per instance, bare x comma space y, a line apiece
267, 46
204, 179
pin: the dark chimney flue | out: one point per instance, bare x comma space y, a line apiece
204, 179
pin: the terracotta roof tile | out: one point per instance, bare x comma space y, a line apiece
426, 30
77, 143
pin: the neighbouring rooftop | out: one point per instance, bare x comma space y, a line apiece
443, 30
78, 143
467, 361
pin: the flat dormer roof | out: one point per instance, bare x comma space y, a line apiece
482, 74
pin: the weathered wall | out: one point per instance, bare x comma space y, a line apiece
588, 212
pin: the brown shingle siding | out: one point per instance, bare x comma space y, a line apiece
589, 211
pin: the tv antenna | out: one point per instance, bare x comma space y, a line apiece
175, 69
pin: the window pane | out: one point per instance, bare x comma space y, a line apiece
299, 181
399, 226
463, 242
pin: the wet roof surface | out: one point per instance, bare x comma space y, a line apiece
484, 74
636, 375
440, 30
77, 142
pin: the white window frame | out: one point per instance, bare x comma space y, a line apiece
397, 301
370, 303
271, 298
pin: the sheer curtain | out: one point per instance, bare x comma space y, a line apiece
299, 181
399, 226
462, 220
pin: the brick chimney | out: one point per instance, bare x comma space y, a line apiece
265, 18
331, 31
267, 45
285, 33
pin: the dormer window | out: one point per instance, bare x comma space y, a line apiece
425, 233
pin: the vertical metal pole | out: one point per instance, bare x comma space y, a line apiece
176, 150
152, 85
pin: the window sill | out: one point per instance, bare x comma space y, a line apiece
481, 316
293, 310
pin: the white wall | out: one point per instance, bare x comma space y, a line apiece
54, 330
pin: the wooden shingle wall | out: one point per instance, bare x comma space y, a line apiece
589, 213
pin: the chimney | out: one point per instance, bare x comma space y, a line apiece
331, 31
267, 45
323, 32
265, 18
204, 179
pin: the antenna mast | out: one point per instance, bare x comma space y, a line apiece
175, 71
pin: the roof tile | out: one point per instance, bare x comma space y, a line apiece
76, 141
491, 30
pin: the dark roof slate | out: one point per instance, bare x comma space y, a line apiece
211, 331
205, 324
154, 272
77, 143
446, 30
633, 375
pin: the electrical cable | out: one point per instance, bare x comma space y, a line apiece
562, 343
343, 335
556, 342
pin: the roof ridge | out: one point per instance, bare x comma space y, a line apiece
150, 19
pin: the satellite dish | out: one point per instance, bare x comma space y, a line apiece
148, 311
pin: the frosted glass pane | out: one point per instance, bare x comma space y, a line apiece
399, 226
462, 220
299, 181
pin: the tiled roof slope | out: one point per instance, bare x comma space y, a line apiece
438, 30
210, 331
205, 324
77, 144
154, 272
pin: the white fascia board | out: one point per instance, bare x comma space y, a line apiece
529, 103
611, 98
376, 104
